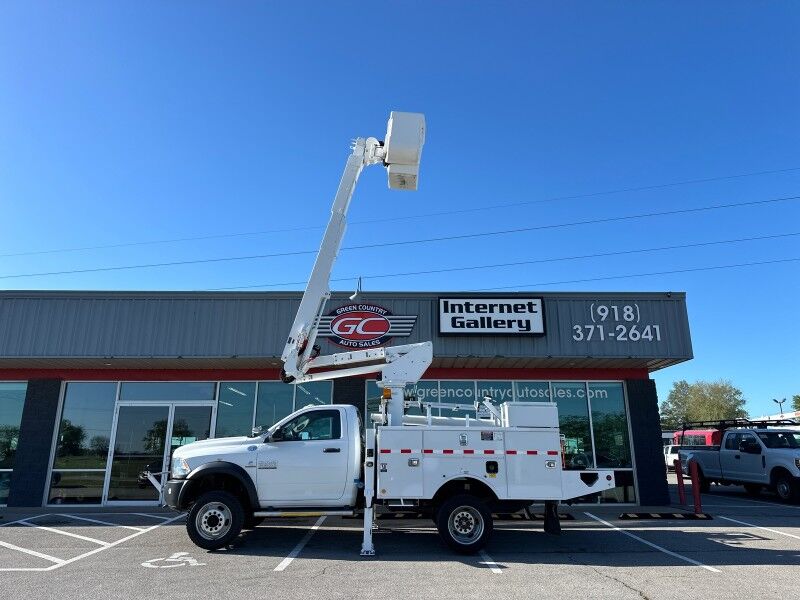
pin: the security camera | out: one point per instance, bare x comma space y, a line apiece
405, 136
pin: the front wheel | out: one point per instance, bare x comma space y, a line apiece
465, 524
787, 488
215, 519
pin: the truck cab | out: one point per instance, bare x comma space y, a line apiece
757, 456
310, 460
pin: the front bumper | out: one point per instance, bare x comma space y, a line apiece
175, 493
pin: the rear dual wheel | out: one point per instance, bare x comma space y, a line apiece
464, 523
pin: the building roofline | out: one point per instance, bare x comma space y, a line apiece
293, 294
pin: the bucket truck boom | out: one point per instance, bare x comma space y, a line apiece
398, 365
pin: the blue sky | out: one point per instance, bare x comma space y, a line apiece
137, 122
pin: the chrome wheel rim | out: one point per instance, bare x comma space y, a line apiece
213, 521
465, 524
783, 489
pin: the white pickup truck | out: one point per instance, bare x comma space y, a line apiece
757, 456
320, 461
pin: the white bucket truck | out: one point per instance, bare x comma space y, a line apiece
321, 460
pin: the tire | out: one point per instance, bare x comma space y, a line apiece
787, 488
465, 523
252, 522
214, 520
705, 484
752, 489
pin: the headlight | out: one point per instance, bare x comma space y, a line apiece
180, 468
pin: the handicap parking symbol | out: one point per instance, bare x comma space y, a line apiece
179, 559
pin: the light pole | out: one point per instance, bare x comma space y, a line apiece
780, 404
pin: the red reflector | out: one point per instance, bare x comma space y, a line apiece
534, 452
385, 451
405, 451
488, 451
511, 451
447, 451
427, 451
552, 453
469, 451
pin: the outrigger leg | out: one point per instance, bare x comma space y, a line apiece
552, 524
367, 547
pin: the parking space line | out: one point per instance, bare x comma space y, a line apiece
791, 535
163, 518
58, 561
125, 539
296, 550
69, 533
489, 562
652, 545
99, 522
62, 562
23, 519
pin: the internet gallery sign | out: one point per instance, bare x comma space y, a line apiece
491, 316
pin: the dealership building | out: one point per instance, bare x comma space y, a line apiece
97, 388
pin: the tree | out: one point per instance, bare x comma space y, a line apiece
71, 439
796, 402
702, 401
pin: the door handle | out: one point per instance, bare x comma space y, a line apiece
332, 450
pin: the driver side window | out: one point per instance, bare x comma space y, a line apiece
310, 426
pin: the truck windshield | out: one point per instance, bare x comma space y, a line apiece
780, 439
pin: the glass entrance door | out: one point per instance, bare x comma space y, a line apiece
145, 437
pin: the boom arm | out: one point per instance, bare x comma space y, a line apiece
300, 347
398, 365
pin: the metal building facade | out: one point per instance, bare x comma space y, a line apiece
204, 326
49, 341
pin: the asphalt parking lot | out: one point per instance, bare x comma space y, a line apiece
104, 554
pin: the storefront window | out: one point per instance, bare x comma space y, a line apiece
573, 420
12, 400
499, 391
237, 401
76, 487
172, 391
313, 393
457, 392
84, 436
275, 401
610, 423
424, 391
532, 391
85, 430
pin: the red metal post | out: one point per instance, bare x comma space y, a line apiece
679, 475
694, 473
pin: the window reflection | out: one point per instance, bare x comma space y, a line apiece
12, 399
610, 423
172, 391
573, 420
235, 409
275, 401
85, 430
